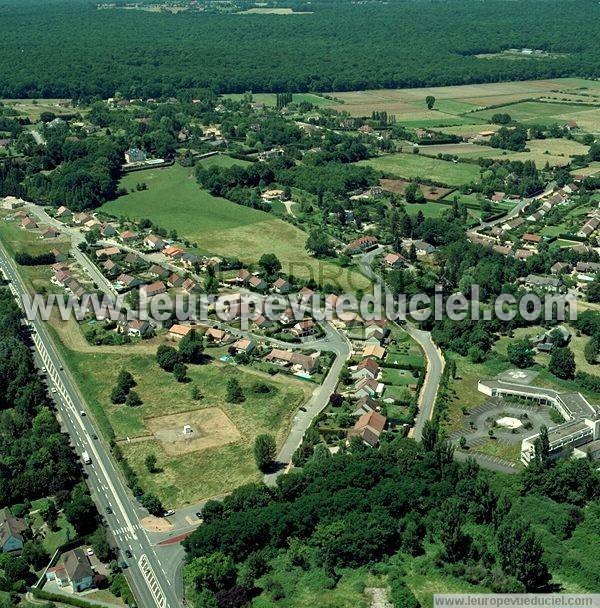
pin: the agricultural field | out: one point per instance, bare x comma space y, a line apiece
411, 166
592, 169
213, 225
187, 473
409, 104
33, 108
542, 113
555, 152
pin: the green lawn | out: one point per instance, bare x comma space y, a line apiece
410, 166
428, 209
222, 160
190, 477
214, 225
52, 539
16, 239
398, 377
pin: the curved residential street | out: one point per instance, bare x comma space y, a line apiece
316, 404
435, 359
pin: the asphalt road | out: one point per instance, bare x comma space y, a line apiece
435, 360
84, 261
316, 404
149, 580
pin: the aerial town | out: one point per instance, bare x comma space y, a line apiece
196, 408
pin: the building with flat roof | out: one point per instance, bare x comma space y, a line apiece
582, 424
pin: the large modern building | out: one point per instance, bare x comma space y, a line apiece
582, 419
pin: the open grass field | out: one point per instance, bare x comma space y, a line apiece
52, 539
428, 209
32, 108
500, 449
269, 99
539, 112
187, 476
214, 225
409, 104
410, 166
592, 169
556, 152
222, 160
273, 11
16, 239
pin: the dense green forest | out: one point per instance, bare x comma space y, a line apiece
390, 507
70, 48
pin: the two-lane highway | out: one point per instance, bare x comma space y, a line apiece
145, 572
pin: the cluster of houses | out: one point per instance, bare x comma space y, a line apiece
498, 238
294, 362
74, 571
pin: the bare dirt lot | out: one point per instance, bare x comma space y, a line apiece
398, 186
210, 428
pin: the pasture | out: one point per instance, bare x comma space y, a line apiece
174, 200
412, 166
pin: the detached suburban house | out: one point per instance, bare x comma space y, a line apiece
367, 368
304, 328
216, 335
138, 329
369, 428
368, 387
64, 214
28, 223
393, 260
297, 361
243, 345
154, 289
50, 233
281, 286
589, 227
154, 242
11, 532
73, 571
128, 236
176, 332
